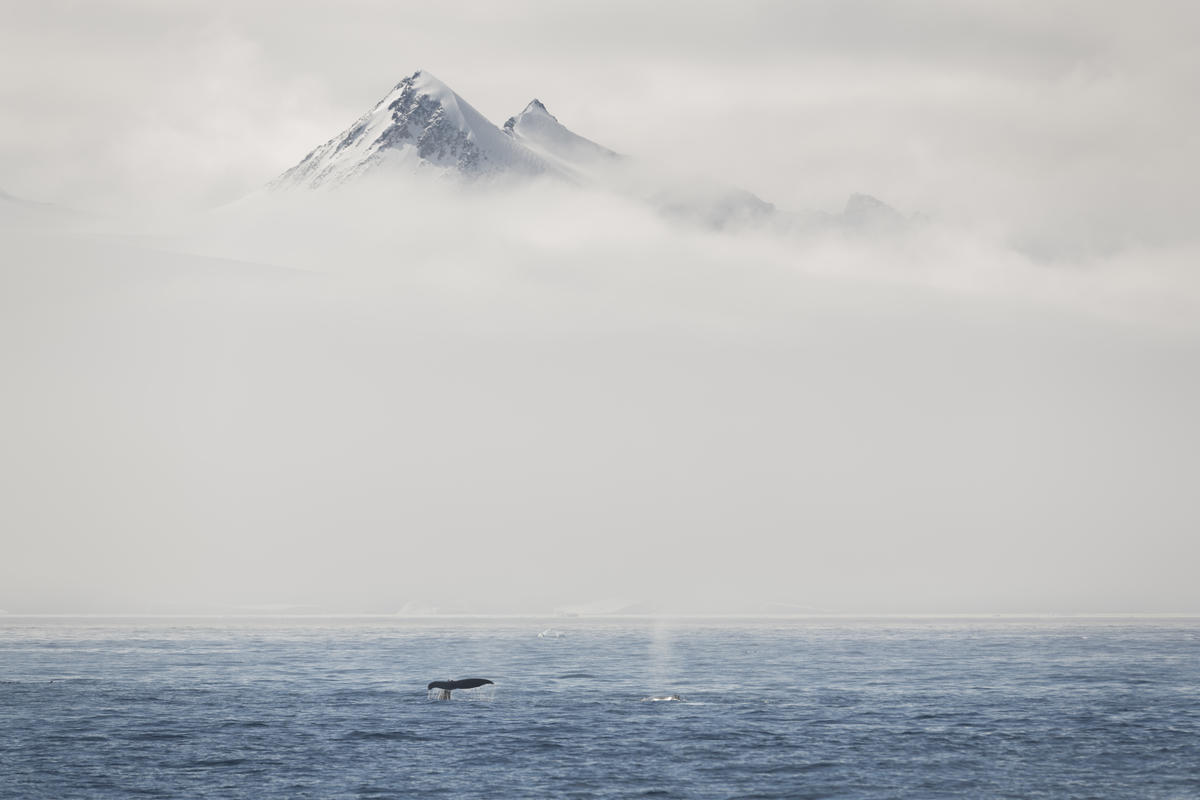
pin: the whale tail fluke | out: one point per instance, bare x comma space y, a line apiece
446, 687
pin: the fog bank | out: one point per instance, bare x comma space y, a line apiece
534, 401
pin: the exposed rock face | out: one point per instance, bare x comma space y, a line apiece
421, 119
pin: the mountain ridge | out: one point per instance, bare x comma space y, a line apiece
421, 122
422, 125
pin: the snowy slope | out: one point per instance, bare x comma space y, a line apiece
540, 131
421, 124
679, 197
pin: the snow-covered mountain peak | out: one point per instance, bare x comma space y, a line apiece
420, 124
530, 115
535, 106
539, 130
425, 85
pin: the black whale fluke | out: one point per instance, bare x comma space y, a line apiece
465, 683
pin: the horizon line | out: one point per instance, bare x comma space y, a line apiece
998, 616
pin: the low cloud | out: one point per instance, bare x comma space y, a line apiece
530, 399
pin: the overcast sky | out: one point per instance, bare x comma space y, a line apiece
502, 399
1068, 126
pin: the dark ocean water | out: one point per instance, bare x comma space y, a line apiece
338, 709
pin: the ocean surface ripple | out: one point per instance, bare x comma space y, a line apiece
337, 708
